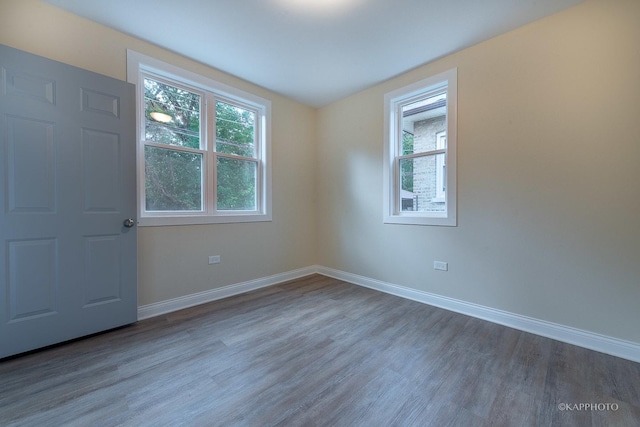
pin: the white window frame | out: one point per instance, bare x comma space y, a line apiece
140, 66
441, 168
393, 102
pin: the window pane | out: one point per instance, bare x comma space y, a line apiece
421, 122
172, 115
172, 180
236, 184
235, 130
423, 182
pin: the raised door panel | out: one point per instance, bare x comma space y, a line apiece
33, 279
102, 284
101, 171
30, 165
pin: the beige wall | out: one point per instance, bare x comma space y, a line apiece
548, 176
548, 184
173, 260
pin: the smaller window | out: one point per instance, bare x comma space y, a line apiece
420, 152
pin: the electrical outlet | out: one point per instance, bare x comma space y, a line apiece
214, 259
440, 265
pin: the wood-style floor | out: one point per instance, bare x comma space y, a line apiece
317, 352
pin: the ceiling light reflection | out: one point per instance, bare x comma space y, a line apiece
320, 6
160, 117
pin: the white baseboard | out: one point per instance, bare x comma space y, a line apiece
604, 344
163, 307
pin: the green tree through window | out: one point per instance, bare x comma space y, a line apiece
407, 167
173, 175
237, 173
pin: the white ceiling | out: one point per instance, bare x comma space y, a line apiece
314, 51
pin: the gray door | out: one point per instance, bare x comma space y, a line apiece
67, 183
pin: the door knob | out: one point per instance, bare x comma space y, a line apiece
129, 222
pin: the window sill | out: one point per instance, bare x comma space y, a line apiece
156, 221
418, 219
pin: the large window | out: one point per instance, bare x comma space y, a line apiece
203, 148
420, 152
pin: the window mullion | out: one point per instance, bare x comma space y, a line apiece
210, 114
